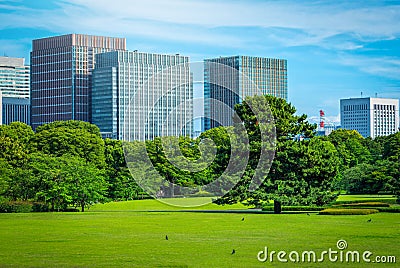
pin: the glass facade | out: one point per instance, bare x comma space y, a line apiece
139, 96
266, 75
14, 77
14, 109
61, 70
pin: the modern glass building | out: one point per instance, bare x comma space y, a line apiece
230, 79
61, 69
371, 117
14, 109
139, 96
14, 77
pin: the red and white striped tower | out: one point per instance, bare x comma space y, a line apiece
321, 120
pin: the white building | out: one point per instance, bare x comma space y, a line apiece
139, 96
327, 129
371, 117
14, 77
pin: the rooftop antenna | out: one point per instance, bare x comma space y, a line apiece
376, 95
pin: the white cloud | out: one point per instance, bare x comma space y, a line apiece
309, 23
335, 120
317, 17
388, 67
74, 18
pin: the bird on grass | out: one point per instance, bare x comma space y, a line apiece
308, 214
233, 251
369, 220
166, 237
243, 219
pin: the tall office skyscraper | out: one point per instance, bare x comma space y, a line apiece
61, 69
14, 90
371, 117
230, 79
14, 77
14, 109
139, 96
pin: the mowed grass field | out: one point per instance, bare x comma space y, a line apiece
125, 234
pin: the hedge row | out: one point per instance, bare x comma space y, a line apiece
382, 200
294, 208
22, 207
348, 211
365, 205
390, 209
26, 207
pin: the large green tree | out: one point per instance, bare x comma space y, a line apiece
391, 147
5, 170
20, 132
222, 148
122, 185
168, 156
12, 151
391, 152
141, 168
370, 178
49, 177
86, 184
63, 181
304, 175
367, 165
302, 172
351, 147
74, 138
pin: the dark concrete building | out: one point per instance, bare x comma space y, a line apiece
61, 69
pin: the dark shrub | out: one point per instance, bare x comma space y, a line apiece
70, 209
40, 207
294, 208
15, 207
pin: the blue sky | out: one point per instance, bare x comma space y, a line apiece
335, 49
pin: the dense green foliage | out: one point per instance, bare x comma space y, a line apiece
68, 163
75, 138
22, 206
302, 171
121, 185
368, 166
61, 165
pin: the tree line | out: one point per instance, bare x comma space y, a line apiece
67, 163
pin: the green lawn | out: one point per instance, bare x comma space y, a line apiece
165, 205
137, 239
